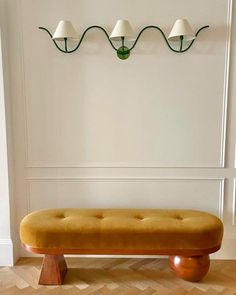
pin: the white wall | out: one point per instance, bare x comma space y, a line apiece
6, 174
91, 130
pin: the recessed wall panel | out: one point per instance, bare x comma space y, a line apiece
206, 195
157, 108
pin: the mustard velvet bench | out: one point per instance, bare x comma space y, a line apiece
186, 236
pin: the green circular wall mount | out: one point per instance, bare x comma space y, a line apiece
123, 52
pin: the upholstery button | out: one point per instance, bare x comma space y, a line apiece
179, 217
139, 217
99, 216
61, 216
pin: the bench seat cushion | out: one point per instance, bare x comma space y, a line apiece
126, 229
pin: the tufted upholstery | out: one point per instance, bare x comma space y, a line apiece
121, 229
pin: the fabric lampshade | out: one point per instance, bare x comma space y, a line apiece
181, 28
122, 29
64, 30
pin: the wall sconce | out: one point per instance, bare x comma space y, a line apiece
122, 32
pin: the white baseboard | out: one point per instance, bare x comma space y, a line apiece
6, 252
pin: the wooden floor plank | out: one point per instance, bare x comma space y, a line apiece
91, 276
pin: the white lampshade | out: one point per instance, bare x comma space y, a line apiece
64, 30
181, 28
122, 29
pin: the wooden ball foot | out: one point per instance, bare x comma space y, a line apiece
191, 269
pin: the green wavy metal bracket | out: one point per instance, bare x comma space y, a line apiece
123, 52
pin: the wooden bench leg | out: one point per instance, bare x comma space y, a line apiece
191, 269
53, 270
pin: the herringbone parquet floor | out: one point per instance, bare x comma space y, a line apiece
117, 277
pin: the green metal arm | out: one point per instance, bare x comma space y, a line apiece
81, 39
124, 52
168, 44
190, 45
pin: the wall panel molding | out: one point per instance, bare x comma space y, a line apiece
234, 204
226, 81
23, 82
126, 165
218, 164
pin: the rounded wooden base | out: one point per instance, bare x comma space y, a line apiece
191, 269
